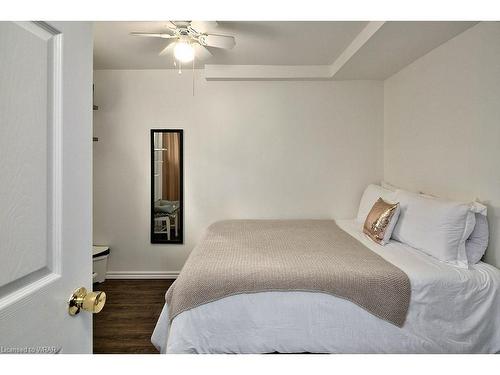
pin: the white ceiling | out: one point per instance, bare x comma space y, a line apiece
257, 43
287, 43
396, 45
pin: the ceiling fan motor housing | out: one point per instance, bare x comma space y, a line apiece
194, 34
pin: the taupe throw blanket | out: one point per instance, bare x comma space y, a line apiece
249, 256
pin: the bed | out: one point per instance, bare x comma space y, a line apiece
450, 310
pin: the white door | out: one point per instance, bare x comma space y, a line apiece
45, 184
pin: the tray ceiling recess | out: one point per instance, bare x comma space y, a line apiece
284, 50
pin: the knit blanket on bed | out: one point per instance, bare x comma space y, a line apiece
250, 256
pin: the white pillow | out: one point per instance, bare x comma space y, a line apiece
388, 186
391, 226
477, 243
370, 196
435, 226
476, 207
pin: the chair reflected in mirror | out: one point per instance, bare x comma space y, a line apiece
166, 186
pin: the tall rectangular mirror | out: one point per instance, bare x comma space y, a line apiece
167, 206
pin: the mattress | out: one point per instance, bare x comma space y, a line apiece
452, 310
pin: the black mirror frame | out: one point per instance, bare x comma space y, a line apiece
157, 239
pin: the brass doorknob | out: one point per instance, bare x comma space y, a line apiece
89, 301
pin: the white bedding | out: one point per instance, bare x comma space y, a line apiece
452, 310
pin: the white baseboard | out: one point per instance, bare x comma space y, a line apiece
142, 274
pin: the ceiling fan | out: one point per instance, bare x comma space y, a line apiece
189, 40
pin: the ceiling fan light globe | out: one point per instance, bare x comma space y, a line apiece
184, 52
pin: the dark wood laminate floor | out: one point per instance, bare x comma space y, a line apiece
127, 321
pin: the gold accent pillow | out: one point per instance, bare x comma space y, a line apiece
381, 220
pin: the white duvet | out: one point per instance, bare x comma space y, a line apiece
452, 310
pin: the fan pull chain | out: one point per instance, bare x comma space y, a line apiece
193, 75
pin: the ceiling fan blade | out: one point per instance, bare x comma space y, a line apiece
203, 26
201, 53
218, 41
155, 35
168, 49
171, 25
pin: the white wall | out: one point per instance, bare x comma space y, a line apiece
252, 150
442, 123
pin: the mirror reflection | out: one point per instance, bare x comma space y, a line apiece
167, 189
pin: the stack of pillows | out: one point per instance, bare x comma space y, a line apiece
453, 232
